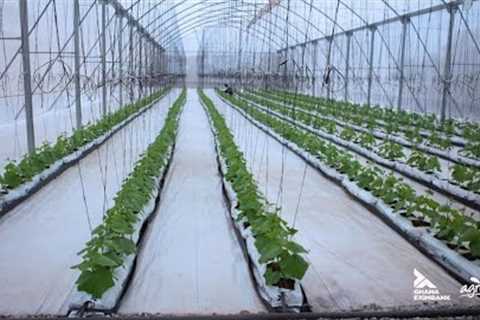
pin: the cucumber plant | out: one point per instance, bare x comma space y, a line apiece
472, 149
111, 241
367, 140
391, 120
348, 134
466, 176
438, 141
401, 197
273, 237
391, 150
424, 162
43, 157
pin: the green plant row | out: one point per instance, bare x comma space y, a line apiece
468, 130
352, 114
282, 256
388, 149
463, 175
446, 223
467, 177
112, 241
16, 174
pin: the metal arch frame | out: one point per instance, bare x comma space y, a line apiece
156, 5
311, 24
324, 35
244, 4
197, 14
222, 14
167, 11
177, 23
264, 28
201, 11
233, 23
222, 3
197, 24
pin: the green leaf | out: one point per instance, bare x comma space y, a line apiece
471, 234
124, 245
104, 261
272, 277
11, 177
270, 251
294, 247
475, 247
294, 266
95, 283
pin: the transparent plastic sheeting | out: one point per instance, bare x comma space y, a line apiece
356, 259
191, 261
49, 123
41, 237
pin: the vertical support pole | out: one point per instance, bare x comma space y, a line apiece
277, 68
240, 47
370, 67
27, 76
131, 80
104, 57
152, 66
162, 77
347, 63
448, 63
314, 67
156, 56
120, 58
139, 74
405, 23
154, 63
329, 39
303, 70
76, 40
145, 69
291, 76
153, 51
149, 65
288, 62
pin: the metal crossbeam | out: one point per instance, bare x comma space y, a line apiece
131, 20
398, 18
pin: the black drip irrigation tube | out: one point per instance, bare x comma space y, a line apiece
88, 308
9, 205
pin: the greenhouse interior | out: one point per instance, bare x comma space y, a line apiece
240, 159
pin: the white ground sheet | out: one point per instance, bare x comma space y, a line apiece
40, 238
356, 260
191, 261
